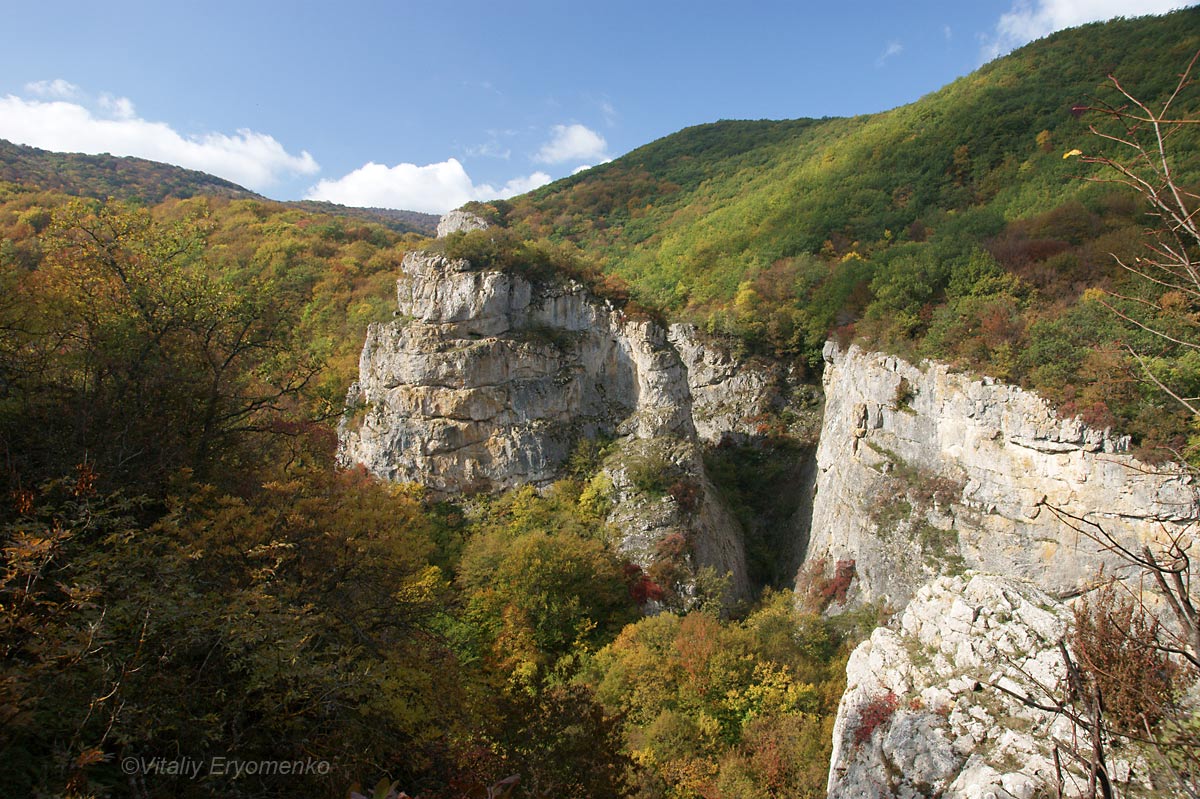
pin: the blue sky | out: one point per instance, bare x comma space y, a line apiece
426, 105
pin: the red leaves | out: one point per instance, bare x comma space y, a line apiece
85, 480
873, 715
820, 590
642, 589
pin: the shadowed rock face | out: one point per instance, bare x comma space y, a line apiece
922, 471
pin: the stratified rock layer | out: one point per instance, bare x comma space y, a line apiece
924, 471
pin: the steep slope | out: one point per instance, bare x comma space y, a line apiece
950, 228
923, 472
687, 218
487, 380
921, 715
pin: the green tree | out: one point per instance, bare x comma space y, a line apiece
131, 351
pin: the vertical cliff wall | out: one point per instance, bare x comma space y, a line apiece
486, 380
924, 482
923, 471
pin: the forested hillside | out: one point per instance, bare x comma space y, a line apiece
950, 228
103, 176
151, 182
183, 569
399, 221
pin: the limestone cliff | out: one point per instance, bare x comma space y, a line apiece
486, 380
460, 222
922, 716
923, 471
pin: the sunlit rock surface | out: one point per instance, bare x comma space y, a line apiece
924, 471
487, 380
922, 715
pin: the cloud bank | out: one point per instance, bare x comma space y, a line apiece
436, 188
254, 160
433, 188
58, 115
1032, 20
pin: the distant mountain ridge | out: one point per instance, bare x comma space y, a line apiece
397, 220
142, 180
126, 178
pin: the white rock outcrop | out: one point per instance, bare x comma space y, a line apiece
460, 222
486, 380
923, 471
921, 716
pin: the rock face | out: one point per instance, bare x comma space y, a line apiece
922, 471
460, 221
921, 716
487, 380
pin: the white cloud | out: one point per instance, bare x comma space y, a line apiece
254, 160
433, 188
119, 107
572, 143
1032, 20
893, 49
585, 167
516, 186
58, 88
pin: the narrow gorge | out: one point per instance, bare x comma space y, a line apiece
487, 380
747, 431
911, 481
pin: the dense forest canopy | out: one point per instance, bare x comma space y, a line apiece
183, 569
103, 176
